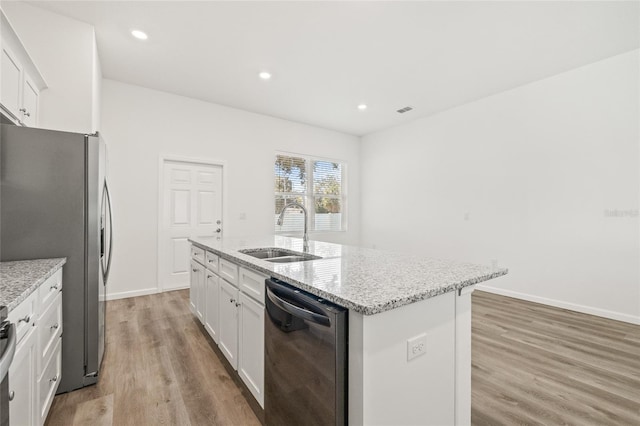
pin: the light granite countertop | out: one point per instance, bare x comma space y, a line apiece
364, 280
20, 278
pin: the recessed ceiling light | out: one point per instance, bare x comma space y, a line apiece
140, 35
265, 75
362, 107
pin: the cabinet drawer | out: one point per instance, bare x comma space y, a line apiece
24, 316
252, 284
49, 331
211, 261
48, 383
229, 271
197, 254
49, 290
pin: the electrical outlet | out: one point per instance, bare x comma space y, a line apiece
416, 346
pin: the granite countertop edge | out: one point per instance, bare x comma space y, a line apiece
365, 309
21, 278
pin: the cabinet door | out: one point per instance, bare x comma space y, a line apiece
22, 382
251, 350
228, 343
11, 73
29, 103
195, 285
200, 301
212, 296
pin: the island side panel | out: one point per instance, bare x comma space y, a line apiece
463, 356
384, 386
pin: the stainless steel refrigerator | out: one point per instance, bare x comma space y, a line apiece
54, 202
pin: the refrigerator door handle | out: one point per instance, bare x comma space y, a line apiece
108, 267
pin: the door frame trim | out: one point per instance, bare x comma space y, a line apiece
162, 160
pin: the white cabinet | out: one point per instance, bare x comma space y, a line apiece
11, 74
229, 305
49, 357
48, 382
212, 303
251, 348
20, 80
23, 374
229, 271
233, 313
36, 370
197, 301
252, 284
30, 95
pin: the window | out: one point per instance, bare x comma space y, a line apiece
318, 185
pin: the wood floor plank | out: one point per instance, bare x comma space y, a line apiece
96, 412
542, 360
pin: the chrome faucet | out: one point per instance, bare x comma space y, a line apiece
305, 238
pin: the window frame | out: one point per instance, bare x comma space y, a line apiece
309, 195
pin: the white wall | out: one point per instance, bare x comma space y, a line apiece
63, 50
140, 124
535, 169
96, 87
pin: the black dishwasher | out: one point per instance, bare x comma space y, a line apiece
305, 358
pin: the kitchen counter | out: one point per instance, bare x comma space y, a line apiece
409, 323
18, 279
363, 280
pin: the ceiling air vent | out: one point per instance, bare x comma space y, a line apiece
405, 109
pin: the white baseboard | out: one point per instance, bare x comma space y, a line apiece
134, 293
181, 287
143, 292
563, 305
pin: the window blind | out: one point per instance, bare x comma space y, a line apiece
314, 183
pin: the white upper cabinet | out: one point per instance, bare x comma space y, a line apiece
20, 80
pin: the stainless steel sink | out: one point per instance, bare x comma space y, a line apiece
287, 259
278, 255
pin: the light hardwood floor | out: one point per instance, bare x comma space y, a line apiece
537, 365
532, 365
159, 369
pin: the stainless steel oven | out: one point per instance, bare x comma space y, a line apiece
7, 350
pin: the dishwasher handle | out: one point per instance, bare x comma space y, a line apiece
296, 311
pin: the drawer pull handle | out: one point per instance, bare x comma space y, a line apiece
12, 395
25, 319
55, 326
231, 300
209, 276
54, 287
194, 270
238, 304
54, 379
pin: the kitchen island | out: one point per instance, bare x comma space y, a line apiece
396, 302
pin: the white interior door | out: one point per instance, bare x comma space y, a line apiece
192, 207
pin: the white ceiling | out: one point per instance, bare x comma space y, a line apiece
327, 57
